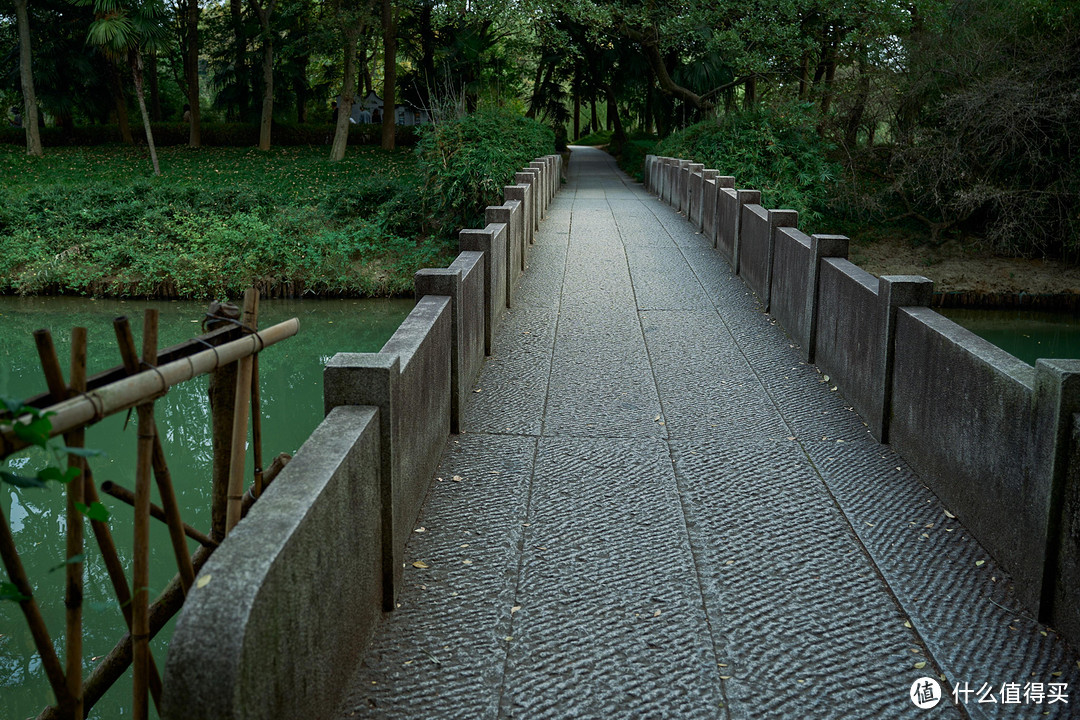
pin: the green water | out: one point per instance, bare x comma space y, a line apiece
291, 387
1026, 334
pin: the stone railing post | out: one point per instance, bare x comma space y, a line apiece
821, 246
894, 291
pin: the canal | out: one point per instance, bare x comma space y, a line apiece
291, 387
1027, 334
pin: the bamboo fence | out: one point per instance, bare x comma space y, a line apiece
231, 359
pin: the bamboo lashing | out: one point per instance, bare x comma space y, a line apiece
127, 393
140, 620
73, 592
54, 378
162, 476
238, 449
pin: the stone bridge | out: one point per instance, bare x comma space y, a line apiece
614, 486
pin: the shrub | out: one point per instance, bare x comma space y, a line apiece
776, 150
466, 161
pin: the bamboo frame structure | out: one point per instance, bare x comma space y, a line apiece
71, 408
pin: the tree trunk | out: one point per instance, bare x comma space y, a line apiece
191, 70
648, 119
389, 24
750, 93
804, 76
26, 77
577, 99
121, 105
594, 123
152, 80
348, 94
858, 109
137, 76
613, 116
267, 120
240, 74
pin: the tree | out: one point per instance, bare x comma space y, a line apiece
353, 22
265, 12
389, 29
123, 29
188, 19
26, 77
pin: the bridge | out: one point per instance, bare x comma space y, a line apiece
651, 505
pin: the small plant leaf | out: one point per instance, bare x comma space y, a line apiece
94, 511
35, 432
21, 481
73, 560
82, 452
9, 592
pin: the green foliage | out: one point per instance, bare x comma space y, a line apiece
466, 161
33, 426
214, 134
83, 221
600, 137
775, 150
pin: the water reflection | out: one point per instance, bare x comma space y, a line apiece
291, 389
1027, 334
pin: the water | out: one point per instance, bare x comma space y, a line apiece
1027, 334
291, 387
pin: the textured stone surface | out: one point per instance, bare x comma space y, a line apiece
680, 517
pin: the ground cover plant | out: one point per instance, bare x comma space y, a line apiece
90, 220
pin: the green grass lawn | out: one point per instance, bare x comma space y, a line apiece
94, 220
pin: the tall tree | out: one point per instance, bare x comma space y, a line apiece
123, 29
26, 78
189, 19
353, 22
389, 29
265, 12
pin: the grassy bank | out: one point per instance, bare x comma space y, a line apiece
91, 220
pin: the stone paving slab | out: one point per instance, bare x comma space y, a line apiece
657, 510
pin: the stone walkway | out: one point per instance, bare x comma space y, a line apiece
658, 511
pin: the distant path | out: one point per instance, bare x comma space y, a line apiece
659, 511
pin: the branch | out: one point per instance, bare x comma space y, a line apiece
650, 48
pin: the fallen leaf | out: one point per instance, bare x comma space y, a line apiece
515, 609
725, 677
907, 624
656, 613
509, 638
980, 563
920, 665
420, 529
825, 378
476, 390
949, 514
203, 581
466, 562
1056, 674
421, 564
457, 478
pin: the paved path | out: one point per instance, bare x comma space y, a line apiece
658, 511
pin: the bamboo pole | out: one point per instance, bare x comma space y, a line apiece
95, 404
73, 587
240, 418
124, 495
17, 574
102, 533
222, 395
117, 660
162, 475
140, 621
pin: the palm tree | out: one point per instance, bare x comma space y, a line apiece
123, 29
